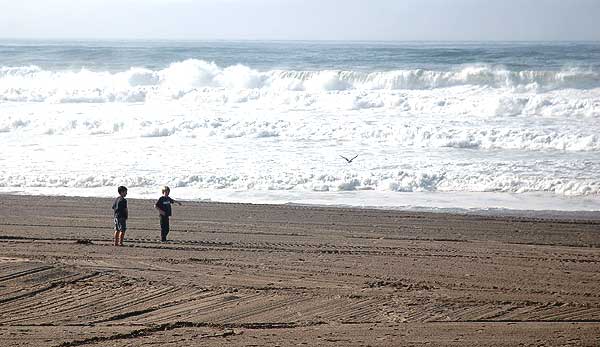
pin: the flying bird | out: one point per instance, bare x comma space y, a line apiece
349, 160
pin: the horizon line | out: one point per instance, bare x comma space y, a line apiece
113, 39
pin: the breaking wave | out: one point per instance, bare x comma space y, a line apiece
390, 180
32, 83
477, 128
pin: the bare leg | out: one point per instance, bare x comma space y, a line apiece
121, 236
117, 237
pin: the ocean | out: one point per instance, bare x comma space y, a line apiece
435, 125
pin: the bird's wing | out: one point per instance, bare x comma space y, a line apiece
354, 157
344, 158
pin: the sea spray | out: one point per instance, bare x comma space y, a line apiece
270, 124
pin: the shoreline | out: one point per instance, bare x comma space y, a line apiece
239, 274
499, 212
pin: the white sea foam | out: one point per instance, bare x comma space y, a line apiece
31, 83
201, 127
502, 181
435, 128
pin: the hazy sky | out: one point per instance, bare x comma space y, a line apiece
303, 19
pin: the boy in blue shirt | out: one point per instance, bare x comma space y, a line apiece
163, 205
121, 214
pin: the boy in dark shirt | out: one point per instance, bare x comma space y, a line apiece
121, 215
163, 205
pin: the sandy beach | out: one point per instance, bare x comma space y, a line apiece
273, 275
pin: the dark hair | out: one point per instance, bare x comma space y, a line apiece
121, 189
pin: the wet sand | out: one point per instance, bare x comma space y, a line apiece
261, 275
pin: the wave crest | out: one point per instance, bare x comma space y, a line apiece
31, 83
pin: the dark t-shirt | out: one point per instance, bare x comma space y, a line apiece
164, 204
120, 208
